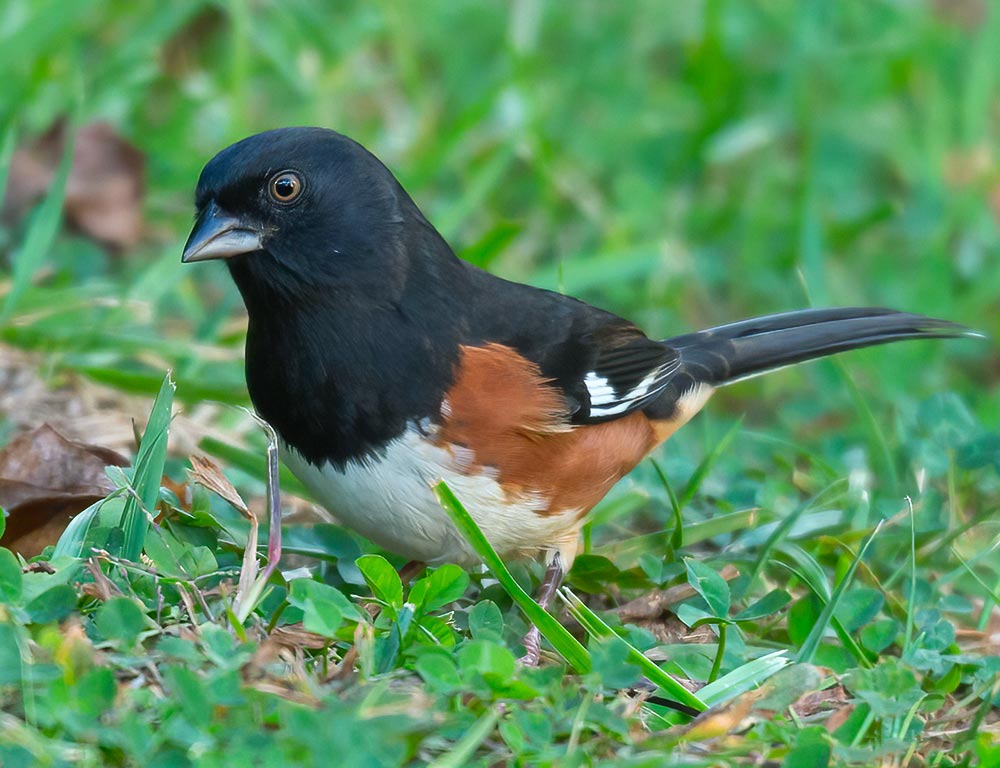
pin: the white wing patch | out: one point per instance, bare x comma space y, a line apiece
604, 401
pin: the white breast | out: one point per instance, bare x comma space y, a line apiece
388, 498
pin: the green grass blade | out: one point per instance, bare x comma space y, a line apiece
677, 536
743, 678
702, 470
565, 644
823, 595
149, 382
7, 145
627, 552
695, 533
466, 747
148, 472
811, 644
807, 569
780, 532
879, 446
596, 627
77, 538
991, 593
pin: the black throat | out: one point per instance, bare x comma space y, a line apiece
338, 373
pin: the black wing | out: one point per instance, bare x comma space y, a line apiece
628, 371
604, 365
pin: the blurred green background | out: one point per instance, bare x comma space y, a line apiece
683, 164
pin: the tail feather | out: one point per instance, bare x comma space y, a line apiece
737, 351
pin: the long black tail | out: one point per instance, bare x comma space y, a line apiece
729, 353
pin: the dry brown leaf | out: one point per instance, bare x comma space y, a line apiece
796, 687
296, 636
45, 479
278, 687
45, 458
101, 588
39, 567
723, 720
652, 605
967, 14
838, 717
669, 630
104, 190
40, 524
345, 669
206, 473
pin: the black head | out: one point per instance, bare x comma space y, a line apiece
357, 305
301, 211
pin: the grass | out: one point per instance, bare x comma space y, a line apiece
682, 165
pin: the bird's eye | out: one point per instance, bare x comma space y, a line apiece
285, 187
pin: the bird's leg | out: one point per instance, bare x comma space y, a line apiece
532, 641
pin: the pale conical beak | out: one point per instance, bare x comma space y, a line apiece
219, 235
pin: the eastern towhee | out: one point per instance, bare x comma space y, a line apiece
385, 363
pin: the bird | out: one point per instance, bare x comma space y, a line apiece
385, 363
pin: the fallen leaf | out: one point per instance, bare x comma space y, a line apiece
969, 15
653, 604
101, 588
45, 479
296, 636
722, 720
832, 699
838, 717
669, 630
797, 686
39, 567
206, 473
105, 187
